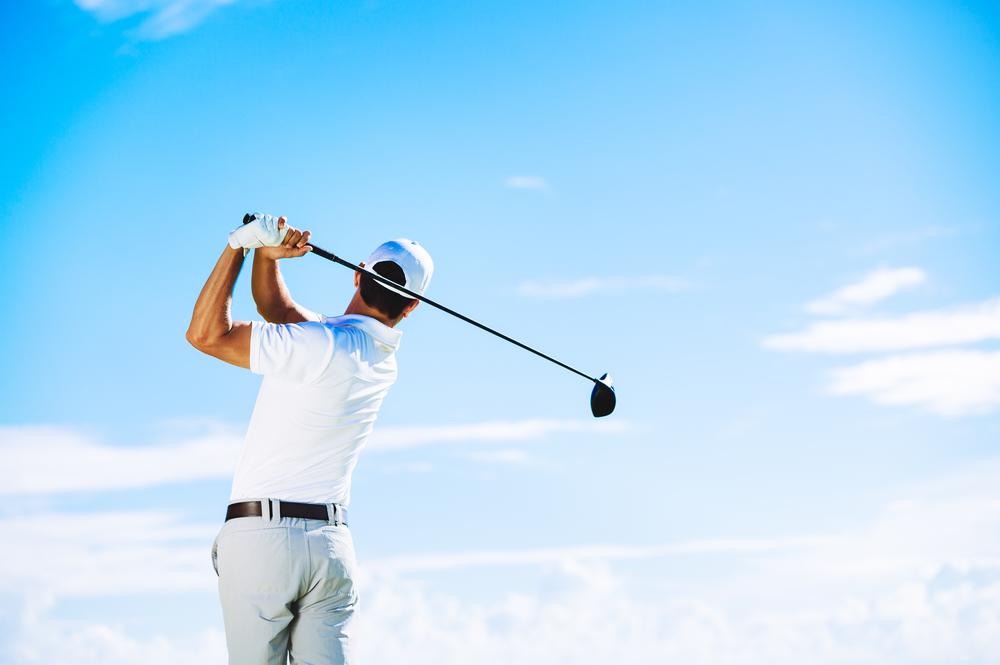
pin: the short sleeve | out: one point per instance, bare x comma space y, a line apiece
294, 351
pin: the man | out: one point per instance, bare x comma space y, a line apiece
284, 555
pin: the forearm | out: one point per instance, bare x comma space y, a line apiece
269, 290
212, 318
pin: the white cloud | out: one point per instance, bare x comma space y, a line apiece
48, 459
395, 438
585, 286
526, 182
163, 18
411, 563
43, 460
48, 640
419, 466
112, 10
947, 382
874, 287
909, 237
51, 555
976, 322
501, 456
918, 584
950, 383
592, 616
595, 620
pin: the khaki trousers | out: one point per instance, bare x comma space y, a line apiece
287, 589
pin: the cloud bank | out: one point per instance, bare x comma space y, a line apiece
916, 583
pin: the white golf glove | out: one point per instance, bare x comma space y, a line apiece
262, 231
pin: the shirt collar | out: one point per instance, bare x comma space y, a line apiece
378, 330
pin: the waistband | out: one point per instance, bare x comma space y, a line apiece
274, 509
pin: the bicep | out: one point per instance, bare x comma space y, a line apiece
234, 346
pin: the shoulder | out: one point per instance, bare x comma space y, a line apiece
280, 339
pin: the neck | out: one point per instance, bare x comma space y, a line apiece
359, 306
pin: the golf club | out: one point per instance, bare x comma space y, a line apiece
602, 397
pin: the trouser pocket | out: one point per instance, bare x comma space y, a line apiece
215, 550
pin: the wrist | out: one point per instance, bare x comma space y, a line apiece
268, 253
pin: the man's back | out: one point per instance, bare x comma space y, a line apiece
323, 385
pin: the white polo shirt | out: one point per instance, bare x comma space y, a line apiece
324, 382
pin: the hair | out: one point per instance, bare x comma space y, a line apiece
380, 297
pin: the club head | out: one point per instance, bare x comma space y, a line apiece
602, 399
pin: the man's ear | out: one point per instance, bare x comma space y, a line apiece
409, 308
357, 279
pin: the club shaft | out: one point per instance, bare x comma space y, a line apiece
319, 251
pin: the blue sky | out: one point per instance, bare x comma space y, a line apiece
776, 225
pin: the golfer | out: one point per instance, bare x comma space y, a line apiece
284, 555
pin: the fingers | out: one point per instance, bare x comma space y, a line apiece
296, 238
292, 243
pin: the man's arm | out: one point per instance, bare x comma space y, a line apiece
212, 329
274, 302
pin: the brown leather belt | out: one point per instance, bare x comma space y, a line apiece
309, 511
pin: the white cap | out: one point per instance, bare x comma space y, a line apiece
409, 255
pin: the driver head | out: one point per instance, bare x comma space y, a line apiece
602, 398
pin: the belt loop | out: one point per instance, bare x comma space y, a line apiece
265, 510
331, 513
276, 510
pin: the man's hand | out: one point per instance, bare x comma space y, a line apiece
262, 231
293, 244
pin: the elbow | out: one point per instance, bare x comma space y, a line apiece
197, 340
192, 338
